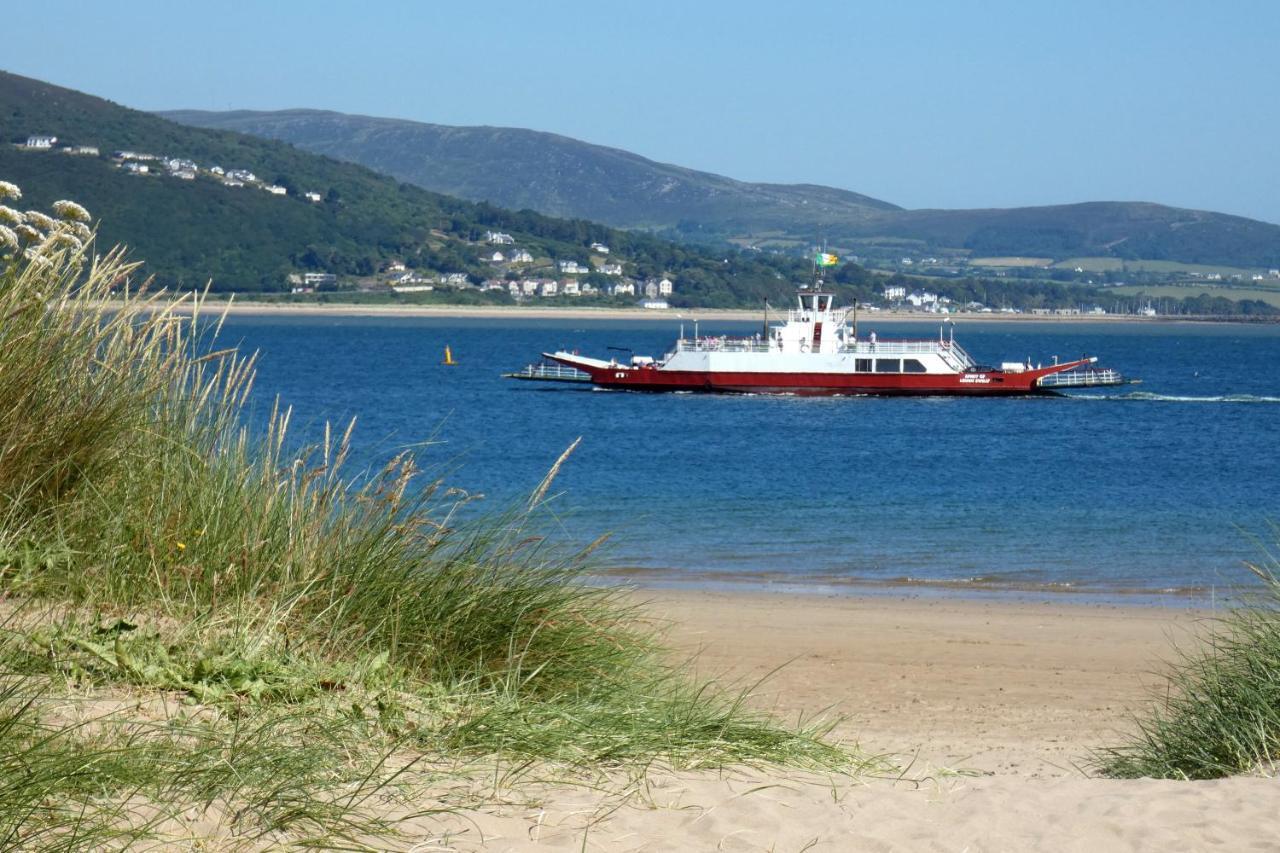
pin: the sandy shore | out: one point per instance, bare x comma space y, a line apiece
990, 708
523, 312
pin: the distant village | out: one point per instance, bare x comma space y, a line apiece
497, 250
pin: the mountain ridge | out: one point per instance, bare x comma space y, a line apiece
558, 175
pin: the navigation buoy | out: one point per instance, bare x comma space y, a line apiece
448, 357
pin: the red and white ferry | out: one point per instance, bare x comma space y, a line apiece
817, 351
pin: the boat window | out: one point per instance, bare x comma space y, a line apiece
862, 365
911, 365
806, 301
888, 365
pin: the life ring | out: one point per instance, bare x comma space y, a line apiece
804, 347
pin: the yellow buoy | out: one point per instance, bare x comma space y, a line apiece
448, 357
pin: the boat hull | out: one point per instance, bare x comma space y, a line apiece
977, 383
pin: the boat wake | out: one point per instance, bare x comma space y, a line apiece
1148, 397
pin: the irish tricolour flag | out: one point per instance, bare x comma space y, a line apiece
825, 259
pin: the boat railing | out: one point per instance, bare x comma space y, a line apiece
1082, 378
550, 372
725, 344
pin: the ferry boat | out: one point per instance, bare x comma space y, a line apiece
817, 351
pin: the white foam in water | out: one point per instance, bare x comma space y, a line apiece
1148, 397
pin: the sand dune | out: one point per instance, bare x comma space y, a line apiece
989, 708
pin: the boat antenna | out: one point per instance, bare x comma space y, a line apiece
765, 333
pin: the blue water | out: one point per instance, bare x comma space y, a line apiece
1148, 488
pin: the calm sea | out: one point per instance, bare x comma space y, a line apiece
1155, 490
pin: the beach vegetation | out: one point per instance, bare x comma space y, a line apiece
1218, 710
308, 638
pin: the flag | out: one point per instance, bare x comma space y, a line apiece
825, 259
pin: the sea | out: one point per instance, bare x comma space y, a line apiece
1159, 492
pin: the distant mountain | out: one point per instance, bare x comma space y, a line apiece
244, 238
551, 174
560, 176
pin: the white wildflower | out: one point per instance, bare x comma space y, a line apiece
71, 211
9, 216
28, 234
8, 190
82, 232
8, 240
35, 257
40, 220
60, 240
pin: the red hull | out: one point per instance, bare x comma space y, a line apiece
990, 383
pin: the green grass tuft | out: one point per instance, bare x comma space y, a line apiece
1219, 714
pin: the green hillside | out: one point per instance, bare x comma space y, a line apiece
556, 175
246, 239
565, 177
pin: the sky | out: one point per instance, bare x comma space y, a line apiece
924, 103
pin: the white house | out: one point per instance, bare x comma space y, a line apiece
611, 269
497, 238
895, 293
314, 198
521, 256
600, 248
243, 175
41, 142
396, 266
665, 287
651, 289
548, 288
317, 278
456, 279
513, 287
185, 174
922, 298
232, 182
624, 288
136, 168
529, 287
217, 170
570, 287
654, 304
276, 189
906, 262
1274, 273
497, 258
572, 268
588, 288
85, 150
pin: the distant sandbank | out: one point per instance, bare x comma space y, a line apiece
523, 312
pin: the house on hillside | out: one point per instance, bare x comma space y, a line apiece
600, 248
572, 268
276, 189
529, 287
895, 293
314, 198
665, 287
549, 288
521, 256
317, 279
243, 175
41, 143
624, 288
217, 170
135, 168
569, 287
497, 258
611, 269
82, 150
497, 238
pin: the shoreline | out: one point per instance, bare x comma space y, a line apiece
521, 312
1027, 688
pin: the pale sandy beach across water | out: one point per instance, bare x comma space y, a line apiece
988, 708
248, 307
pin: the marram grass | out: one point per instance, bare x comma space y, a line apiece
1219, 712
157, 546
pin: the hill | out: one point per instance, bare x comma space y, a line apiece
565, 177
556, 175
244, 238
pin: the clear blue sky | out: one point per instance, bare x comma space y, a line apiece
924, 103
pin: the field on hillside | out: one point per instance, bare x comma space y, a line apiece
1107, 264
1010, 262
1179, 291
